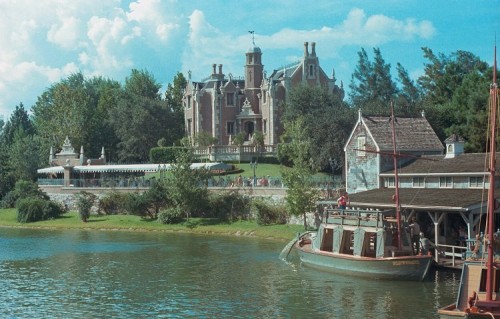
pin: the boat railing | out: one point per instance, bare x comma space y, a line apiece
356, 217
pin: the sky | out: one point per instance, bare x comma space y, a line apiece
45, 41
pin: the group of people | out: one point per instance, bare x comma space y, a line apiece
421, 245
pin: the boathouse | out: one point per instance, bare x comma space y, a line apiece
446, 192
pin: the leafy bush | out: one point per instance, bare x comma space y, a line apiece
268, 213
22, 189
171, 215
137, 204
163, 154
113, 203
228, 206
32, 209
84, 203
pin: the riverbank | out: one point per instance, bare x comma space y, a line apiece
71, 220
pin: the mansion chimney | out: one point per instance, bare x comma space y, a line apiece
313, 48
306, 49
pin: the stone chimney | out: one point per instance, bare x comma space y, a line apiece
454, 146
214, 66
313, 48
220, 69
306, 49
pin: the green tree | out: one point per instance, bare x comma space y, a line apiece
7, 179
204, 139
27, 154
408, 101
78, 108
157, 198
19, 121
84, 203
327, 120
372, 87
173, 96
300, 195
141, 118
186, 186
455, 89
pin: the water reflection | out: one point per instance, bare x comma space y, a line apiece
74, 274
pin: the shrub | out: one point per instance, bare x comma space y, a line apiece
171, 215
137, 204
164, 154
268, 213
32, 209
84, 203
113, 203
228, 206
22, 189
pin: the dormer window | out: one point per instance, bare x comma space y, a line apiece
476, 182
390, 182
418, 182
446, 182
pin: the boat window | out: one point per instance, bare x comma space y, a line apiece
327, 242
347, 246
369, 244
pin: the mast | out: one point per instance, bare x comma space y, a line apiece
491, 190
396, 178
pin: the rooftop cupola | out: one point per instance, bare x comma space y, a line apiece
454, 146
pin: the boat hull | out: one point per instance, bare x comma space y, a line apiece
413, 268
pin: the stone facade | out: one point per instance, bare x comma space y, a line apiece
222, 106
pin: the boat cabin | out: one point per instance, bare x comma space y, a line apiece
362, 233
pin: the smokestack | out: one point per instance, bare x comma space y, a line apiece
306, 49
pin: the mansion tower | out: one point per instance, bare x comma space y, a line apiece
223, 106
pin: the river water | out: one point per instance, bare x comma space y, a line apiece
117, 274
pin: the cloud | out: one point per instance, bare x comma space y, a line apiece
66, 33
152, 16
208, 44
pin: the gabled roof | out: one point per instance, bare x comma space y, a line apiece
287, 70
412, 134
438, 164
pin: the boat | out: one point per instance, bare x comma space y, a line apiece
479, 292
363, 243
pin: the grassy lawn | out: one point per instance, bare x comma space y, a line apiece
71, 220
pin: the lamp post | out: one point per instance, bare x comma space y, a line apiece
254, 166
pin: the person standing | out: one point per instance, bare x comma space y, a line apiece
425, 245
415, 236
342, 201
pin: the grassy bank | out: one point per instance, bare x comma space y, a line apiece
71, 220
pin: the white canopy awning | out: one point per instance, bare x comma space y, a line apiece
146, 168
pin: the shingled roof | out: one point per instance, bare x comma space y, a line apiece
438, 164
421, 198
412, 134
